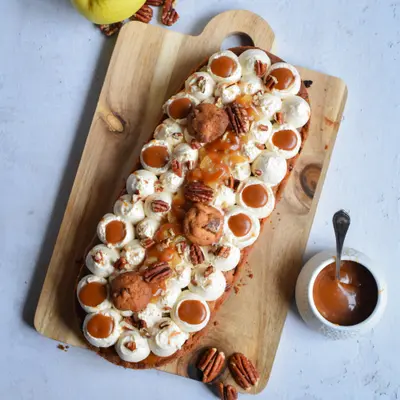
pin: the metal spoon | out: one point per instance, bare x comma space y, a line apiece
341, 223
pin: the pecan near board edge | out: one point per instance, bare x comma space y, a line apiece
169, 14
227, 392
211, 364
243, 371
144, 14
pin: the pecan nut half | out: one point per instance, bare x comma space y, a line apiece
131, 346
177, 168
260, 68
110, 29
169, 15
120, 263
155, 3
243, 371
279, 118
222, 251
147, 243
157, 272
144, 14
227, 392
196, 254
159, 206
238, 118
209, 270
199, 192
211, 364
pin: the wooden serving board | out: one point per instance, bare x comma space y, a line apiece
148, 65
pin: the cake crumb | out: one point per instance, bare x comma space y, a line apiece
326, 147
216, 323
236, 289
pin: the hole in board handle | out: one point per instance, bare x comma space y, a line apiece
236, 40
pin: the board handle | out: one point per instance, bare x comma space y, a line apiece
240, 21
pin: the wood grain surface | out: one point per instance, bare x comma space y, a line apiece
148, 65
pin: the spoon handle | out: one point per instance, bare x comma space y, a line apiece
341, 223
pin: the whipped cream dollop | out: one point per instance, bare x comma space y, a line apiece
168, 297
251, 85
100, 260
151, 315
109, 237
267, 103
224, 256
103, 305
158, 205
168, 106
251, 150
236, 71
171, 182
141, 182
192, 298
200, 85
130, 208
296, 111
134, 253
249, 237
294, 87
168, 338
260, 131
270, 168
132, 347
261, 211
294, 142
182, 275
208, 282
227, 92
241, 170
169, 131
156, 143
186, 155
249, 58
224, 197
147, 228
102, 341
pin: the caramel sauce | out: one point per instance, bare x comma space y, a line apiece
240, 224
115, 232
161, 254
247, 102
180, 108
223, 66
168, 230
284, 76
156, 156
348, 301
100, 326
255, 196
180, 206
285, 139
93, 294
192, 312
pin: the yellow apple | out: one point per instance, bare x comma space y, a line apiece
107, 11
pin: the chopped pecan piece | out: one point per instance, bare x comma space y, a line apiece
209, 270
120, 263
195, 145
260, 68
157, 272
176, 167
279, 118
147, 243
199, 192
155, 3
238, 118
169, 15
144, 14
260, 146
243, 371
193, 282
263, 128
307, 83
196, 254
227, 392
145, 333
130, 346
257, 172
163, 324
229, 182
110, 29
211, 364
180, 247
159, 206
270, 82
98, 257
222, 251
142, 324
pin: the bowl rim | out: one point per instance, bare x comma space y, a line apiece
348, 254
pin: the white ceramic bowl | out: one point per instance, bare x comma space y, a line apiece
305, 301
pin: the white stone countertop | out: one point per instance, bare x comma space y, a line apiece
52, 64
